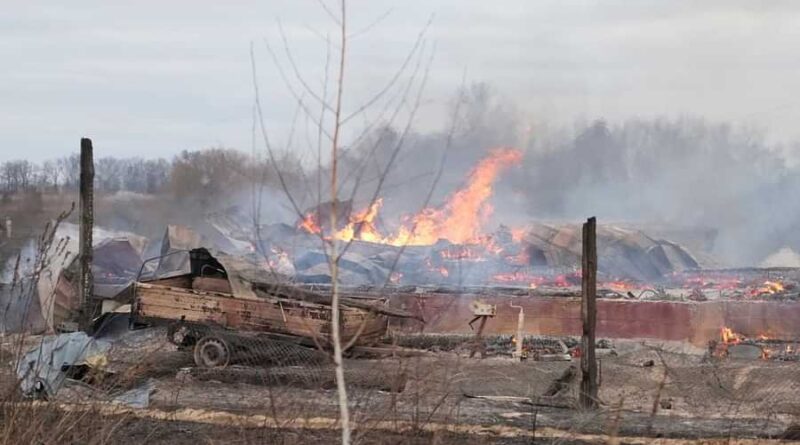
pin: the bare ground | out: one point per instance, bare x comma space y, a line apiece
444, 398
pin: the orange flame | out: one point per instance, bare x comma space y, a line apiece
309, 223
770, 287
619, 286
730, 337
459, 220
362, 225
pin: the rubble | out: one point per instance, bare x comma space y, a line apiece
545, 254
535, 348
43, 370
218, 305
55, 298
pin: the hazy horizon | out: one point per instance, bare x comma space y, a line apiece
152, 79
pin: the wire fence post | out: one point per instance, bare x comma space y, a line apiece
86, 282
588, 392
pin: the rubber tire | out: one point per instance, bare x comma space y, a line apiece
212, 352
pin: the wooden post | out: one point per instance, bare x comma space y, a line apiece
519, 337
478, 345
588, 392
86, 281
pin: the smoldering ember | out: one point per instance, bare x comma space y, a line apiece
361, 278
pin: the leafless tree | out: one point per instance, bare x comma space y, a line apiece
329, 112
17, 175
51, 174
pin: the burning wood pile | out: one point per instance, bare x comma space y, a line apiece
739, 346
746, 284
544, 349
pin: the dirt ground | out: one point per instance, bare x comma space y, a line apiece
647, 391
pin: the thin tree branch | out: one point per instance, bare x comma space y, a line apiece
289, 86
265, 136
371, 155
373, 24
439, 172
331, 14
344, 412
401, 139
321, 123
297, 74
394, 78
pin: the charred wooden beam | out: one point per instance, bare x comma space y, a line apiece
588, 391
266, 314
278, 290
86, 281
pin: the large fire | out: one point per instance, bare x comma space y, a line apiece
459, 220
513, 256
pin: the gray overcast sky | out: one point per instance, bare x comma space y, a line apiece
149, 78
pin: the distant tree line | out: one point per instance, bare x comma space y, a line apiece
206, 172
111, 175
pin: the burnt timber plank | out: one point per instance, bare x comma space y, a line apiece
265, 315
588, 392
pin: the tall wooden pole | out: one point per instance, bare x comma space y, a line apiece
86, 282
588, 392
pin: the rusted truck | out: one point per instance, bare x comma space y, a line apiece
217, 305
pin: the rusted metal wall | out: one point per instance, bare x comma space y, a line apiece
665, 320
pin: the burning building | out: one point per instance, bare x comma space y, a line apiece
458, 243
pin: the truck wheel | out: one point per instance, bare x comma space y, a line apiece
212, 352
